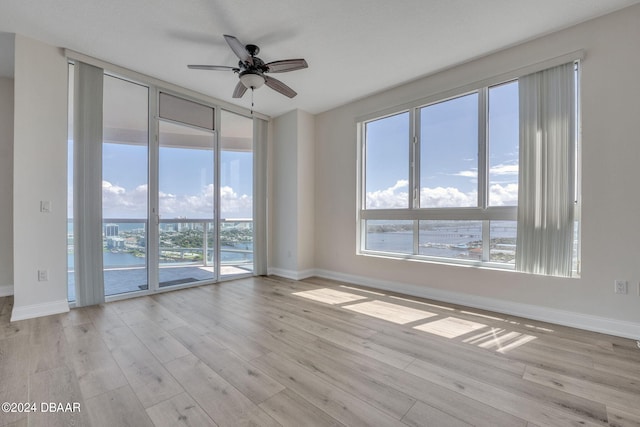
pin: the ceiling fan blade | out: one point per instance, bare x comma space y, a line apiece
239, 49
278, 86
239, 90
211, 67
286, 65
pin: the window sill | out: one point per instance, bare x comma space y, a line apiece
482, 265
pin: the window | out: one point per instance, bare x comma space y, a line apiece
449, 153
503, 138
168, 184
387, 169
440, 181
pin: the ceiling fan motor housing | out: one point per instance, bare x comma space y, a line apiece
252, 49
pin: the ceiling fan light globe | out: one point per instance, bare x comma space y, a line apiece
252, 81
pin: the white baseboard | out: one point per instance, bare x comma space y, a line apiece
291, 274
588, 322
39, 310
6, 290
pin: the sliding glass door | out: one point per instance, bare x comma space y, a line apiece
175, 180
177, 204
186, 204
125, 153
236, 195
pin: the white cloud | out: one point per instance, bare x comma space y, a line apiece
500, 169
441, 197
109, 188
504, 170
118, 202
396, 197
234, 205
390, 198
500, 195
467, 174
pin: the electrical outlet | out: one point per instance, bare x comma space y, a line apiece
43, 275
620, 287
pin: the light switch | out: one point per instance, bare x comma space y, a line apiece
45, 206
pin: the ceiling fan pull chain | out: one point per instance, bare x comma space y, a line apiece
252, 100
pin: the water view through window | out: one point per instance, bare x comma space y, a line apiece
460, 240
169, 216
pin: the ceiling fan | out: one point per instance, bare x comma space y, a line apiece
252, 69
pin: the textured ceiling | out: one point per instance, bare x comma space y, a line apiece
353, 47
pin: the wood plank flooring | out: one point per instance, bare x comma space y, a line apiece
269, 351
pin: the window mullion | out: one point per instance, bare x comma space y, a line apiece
483, 149
414, 160
414, 181
486, 240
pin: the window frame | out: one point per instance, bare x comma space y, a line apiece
483, 211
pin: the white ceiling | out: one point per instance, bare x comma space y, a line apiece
353, 47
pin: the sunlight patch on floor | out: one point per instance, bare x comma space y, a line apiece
329, 296
491, 338
450, 327
362, 290
500, 340
538, 328
391, 312
486, 316
423, 303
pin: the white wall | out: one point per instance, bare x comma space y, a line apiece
40, 174
306, 191
6, 186
611, 176
292, 200
284, 196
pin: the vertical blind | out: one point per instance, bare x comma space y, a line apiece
546, 197
87, 169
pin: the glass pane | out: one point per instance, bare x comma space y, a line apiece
395, 236
449, 153
503, 144
71, 288
124, 185
451, 239
576, 249
502, 247
387, 162
236, 194
186, 204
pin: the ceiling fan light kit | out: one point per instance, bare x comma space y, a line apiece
251, 80
251, 69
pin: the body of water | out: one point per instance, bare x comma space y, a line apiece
449, 242
125, 259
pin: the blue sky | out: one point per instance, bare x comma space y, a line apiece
186, 176
186, 182
449, 153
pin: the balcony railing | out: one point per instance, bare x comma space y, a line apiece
186, 251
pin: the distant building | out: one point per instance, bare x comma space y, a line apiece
115, 243
111, 230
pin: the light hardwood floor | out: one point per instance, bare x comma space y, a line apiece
271, 351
